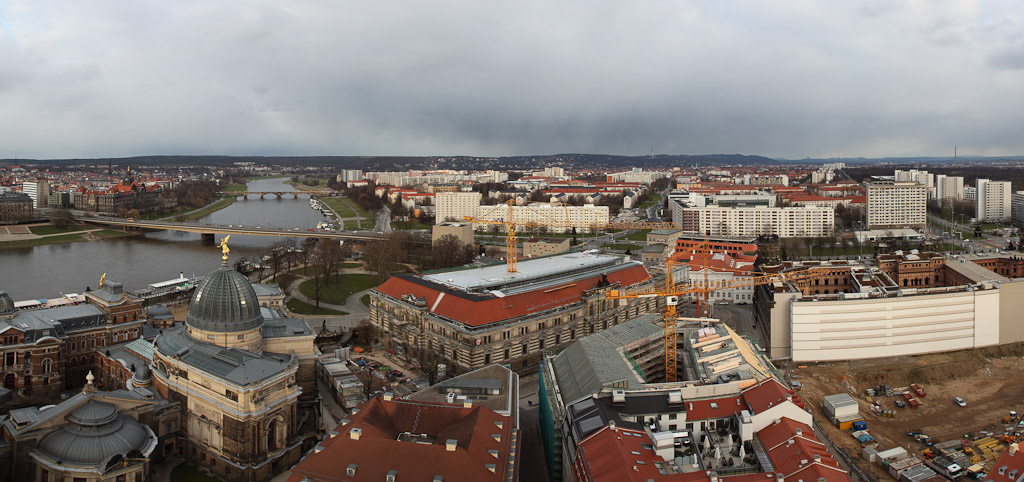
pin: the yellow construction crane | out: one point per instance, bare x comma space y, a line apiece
510, 223
671, 293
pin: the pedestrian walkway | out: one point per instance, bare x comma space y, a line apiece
354, 309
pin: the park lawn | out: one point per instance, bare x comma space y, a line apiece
352, 265
235, 187
28, 243
45, 229
340, 207
187, 473
337, 292
414, 224
640, 235
303, 308
353, 225
217, 206
621, 246
365, 299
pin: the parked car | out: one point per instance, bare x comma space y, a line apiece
959, 401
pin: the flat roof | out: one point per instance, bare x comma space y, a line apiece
966, 267
497, 275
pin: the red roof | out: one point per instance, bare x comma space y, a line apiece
768, 394
378, 449
724, 408
799, 456
1007, 464
477, 309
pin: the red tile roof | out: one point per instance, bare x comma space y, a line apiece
378, 449
768, 394
477, 310
724, 407
794, 455
1012, 463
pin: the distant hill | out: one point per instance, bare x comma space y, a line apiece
401, 162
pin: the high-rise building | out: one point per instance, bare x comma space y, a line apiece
39, 191
921, 177
717, 220
455, 206
559, 218
896, 204
993, 200
1017, 205
949, 187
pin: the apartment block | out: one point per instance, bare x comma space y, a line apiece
993, 200
455, 206
896, 204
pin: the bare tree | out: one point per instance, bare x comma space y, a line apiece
327, 259
308, 245
449, 251
62, 218
380, 256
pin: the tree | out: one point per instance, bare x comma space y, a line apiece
380, 255
449, 251
327, 258
308, 245
277, 255
62, 218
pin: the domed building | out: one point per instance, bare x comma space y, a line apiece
238, 371
92, 436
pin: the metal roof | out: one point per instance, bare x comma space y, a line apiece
94, 433
284, 327
594, 361
496, 276
224, 302
235, 366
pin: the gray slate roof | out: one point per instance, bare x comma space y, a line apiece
55, 322
267, 289
235, 366
94, 433
592, 362
284, 327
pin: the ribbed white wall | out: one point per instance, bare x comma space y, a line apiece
852, 329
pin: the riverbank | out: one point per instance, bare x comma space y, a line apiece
198, 213
57, 236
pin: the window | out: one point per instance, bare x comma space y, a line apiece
209, 337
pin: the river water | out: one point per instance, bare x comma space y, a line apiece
48, 271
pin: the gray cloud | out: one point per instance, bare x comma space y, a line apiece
775, 78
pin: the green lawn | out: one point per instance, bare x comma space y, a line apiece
621, 246
187, 473
655, 199
354, 225
346, 208
28, 243
640, 235
303, 308
235, 187
45, 229
336, 293
217, 206
414, 224
365, 299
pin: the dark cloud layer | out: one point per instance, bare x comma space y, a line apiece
778, 78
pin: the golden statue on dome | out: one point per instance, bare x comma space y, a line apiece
224, 247
102, 278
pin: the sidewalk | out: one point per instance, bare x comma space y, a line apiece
354, 308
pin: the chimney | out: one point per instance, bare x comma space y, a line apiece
611, 425
1013, 448
388, 396
450, 445
467, 403
789, 396
351, 469
799, 431
355, 433
817, 458
779, 477
714, 476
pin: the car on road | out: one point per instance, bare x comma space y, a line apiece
959, 401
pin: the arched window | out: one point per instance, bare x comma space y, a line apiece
46, 365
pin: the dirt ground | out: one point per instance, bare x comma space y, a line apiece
988, 379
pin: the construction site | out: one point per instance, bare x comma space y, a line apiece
962, 408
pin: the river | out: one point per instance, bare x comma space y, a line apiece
48, 271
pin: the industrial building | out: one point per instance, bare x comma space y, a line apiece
468, 318
900, 304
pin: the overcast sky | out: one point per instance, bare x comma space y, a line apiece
787, 78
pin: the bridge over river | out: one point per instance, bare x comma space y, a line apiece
209, 230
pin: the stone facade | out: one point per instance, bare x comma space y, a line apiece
15, 208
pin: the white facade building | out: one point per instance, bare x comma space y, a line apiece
39, 191
949, 187
896, 205
993, 200
923, 178
582, 217
919, 322
787, 222
455, 206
